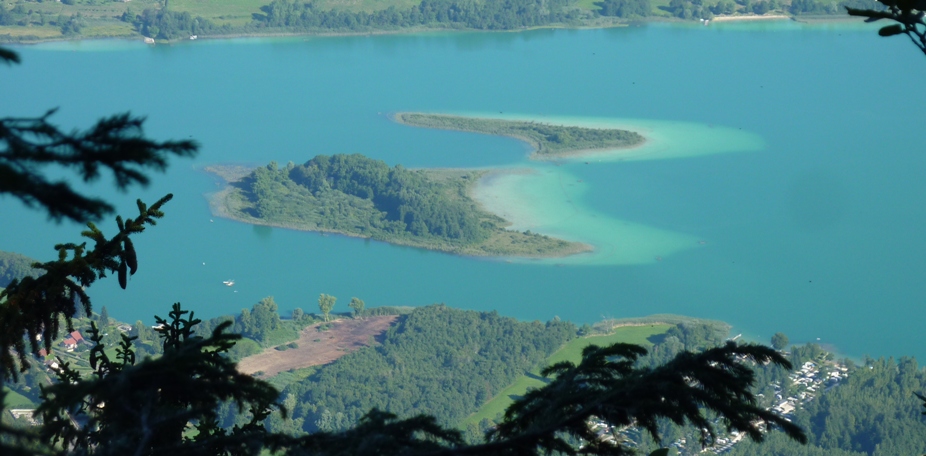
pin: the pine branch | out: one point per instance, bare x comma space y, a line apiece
908, 15
35, 305
116, 143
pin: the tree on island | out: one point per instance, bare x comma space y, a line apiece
167, 405
357, 304
325, 304
779, 341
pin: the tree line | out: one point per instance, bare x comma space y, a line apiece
495, 15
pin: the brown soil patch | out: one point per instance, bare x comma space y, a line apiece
318, 347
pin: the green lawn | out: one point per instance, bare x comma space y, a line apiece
234, 12
588, 5
366, 5
572, 351
16, 400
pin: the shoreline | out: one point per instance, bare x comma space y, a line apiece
320, 34
219, 207
752, 17
600, 23
535, 146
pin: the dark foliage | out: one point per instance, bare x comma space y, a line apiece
35, 305
606, 386
29, 145
874, 411
908, 15
146, 408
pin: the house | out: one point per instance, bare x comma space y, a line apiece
69, 344
29, 414
76, 336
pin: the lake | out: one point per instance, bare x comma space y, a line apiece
795, 204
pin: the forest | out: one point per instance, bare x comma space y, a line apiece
14, 266
359, 196
436, 360
448, 362
549, 140
497, 15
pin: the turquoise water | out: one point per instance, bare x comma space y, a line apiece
811, 223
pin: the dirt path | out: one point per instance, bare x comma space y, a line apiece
318, 347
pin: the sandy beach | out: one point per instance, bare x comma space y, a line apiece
752, 17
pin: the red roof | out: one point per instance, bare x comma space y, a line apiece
43, 353
77, 337
70, 341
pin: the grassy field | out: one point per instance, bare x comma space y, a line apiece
16, 400
572, 351
233, 12
110, 30
46, 32
588, 5
366, 5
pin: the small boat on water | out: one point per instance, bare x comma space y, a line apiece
228, 283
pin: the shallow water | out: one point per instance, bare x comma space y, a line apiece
814, 229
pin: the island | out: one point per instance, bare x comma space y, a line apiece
358, 196
549, 141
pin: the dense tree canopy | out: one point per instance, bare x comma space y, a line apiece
355, 193
14, 266
437, 360
494, 15
625, 8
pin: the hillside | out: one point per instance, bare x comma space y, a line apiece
14, 266
436, 360
25, 21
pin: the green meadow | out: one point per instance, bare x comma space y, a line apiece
232, 12
16, 400
571, 351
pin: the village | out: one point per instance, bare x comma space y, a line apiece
807, 382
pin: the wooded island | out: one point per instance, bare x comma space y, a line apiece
358, 196
548, 140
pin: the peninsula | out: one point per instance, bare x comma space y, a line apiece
548, 140
357, 196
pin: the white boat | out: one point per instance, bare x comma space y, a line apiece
228, 283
